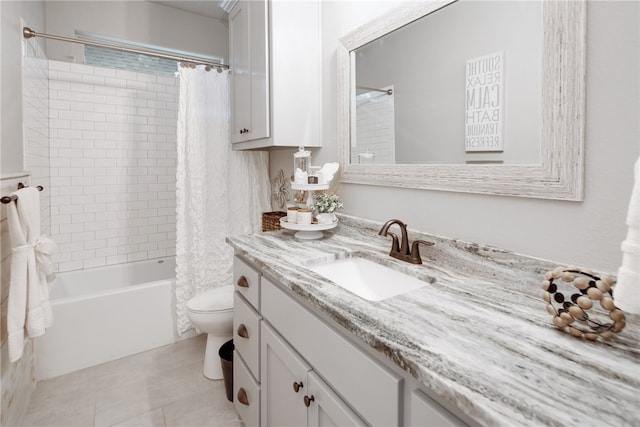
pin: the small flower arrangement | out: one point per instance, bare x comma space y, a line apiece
327, 203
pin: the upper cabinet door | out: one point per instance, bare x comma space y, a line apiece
239, 58
248, 42
276, 74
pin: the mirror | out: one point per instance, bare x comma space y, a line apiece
498, 114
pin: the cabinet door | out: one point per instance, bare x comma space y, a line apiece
248, 46
283, 372
259, 58
326, 408
241, 75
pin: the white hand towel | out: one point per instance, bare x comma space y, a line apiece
627, 291
30, 265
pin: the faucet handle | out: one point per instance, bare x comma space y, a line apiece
415, 250
395, 245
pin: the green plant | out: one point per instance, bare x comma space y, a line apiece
327, 203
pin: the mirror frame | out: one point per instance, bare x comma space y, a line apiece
560, 174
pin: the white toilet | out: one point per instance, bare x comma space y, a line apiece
212, 312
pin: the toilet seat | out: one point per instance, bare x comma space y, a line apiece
212, 300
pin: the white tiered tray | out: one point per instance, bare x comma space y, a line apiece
309, 187
307, 231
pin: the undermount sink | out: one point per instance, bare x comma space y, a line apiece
367, 279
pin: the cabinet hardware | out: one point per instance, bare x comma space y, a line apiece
242, 397
297, 386
308, 400
242, 331
242, 282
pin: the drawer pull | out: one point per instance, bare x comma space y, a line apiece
297, 386
242, 397
242, 282
242, 331
308, 400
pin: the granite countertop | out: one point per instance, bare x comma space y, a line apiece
478, 335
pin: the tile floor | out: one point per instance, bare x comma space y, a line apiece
162, 387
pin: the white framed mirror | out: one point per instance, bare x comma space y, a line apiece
553, 167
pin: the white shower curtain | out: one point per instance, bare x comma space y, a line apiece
220, 192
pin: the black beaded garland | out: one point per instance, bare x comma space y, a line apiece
572, 314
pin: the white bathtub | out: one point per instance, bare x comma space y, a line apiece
106, 313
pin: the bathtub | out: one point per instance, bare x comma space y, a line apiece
106, 313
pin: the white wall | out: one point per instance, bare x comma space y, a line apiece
588, 233
138, 21
11, 14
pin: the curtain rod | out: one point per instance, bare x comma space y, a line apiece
29, 33
373, 89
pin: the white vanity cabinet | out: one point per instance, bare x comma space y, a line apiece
275, 62
306, 372
368, 387
293, 394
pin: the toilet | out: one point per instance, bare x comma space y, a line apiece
212, 312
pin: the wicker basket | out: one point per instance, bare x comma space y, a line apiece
271, 220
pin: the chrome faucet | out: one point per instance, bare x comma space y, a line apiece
401, 251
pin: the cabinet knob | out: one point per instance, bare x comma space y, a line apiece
297, 386
242, 331
242, 397
308, 400
242, 282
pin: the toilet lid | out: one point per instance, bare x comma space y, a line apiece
214, 299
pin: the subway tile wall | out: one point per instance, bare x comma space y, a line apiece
375, 127
35, 89
17, 380
113, 165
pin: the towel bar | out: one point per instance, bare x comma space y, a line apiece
13, 197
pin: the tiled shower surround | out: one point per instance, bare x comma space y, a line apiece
113, 165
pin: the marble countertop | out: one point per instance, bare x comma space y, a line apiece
478, 335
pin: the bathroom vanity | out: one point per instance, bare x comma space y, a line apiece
474, 346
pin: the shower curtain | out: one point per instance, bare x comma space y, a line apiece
219, 192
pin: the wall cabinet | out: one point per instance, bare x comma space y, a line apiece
250, 71
276, 76
305, 372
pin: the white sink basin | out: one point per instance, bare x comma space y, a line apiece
367, 279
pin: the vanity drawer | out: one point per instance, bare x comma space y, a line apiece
246, 280
246, 334
246, 394
369, 387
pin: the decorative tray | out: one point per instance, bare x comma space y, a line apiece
307, 231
